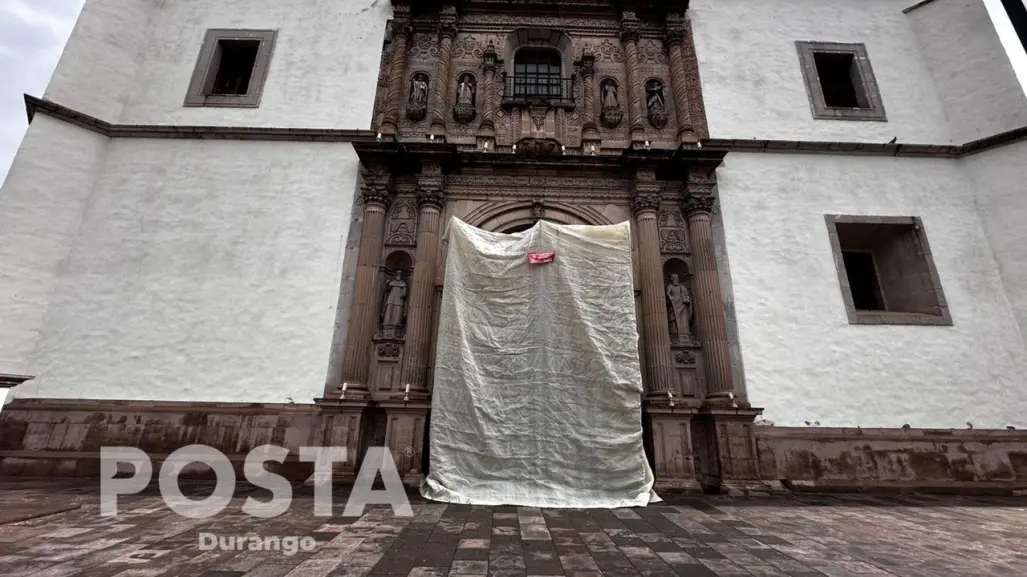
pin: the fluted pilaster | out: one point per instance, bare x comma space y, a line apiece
629, 34
710, 318
422, 292
447, 33
364, 310
397, 71
675, 40
655, 329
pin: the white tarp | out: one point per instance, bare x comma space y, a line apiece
537, 395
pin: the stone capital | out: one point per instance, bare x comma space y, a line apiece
447, 22
370, 195
674, 33
430, 196
630, 27
645, 202
697, 204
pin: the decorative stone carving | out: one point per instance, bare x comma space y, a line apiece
655, 103
464, 110
538, 116
680, 304
672, 232
611, 113
538, 146
402, 224
418, 105
698, 203
388, 350
685, 358
394, 307
645, 202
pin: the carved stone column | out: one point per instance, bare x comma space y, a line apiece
401, 31
709, 301
656, 332
364, 311
675, 40
629, 33
487, 129
422, 292
447, 33
589, 131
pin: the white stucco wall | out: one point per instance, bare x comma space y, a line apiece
322, 74
998, 178
971, 69
752, 81
186, 269
41, 206
803, 361
202, 270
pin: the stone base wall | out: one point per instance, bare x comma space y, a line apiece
939, 460
42, 437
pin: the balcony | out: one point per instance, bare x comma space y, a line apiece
538, 89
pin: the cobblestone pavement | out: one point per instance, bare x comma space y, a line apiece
797, 536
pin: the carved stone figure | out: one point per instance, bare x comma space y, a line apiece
395, 301
611, 113
418, 106
656, 104
464, 110
680, 307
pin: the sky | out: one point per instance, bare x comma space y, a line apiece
33, 34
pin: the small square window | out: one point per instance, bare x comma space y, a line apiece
839, 81
886, 271
231, 68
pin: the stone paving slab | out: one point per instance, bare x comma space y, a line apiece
789, 536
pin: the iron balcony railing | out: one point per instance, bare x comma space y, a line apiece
538, 88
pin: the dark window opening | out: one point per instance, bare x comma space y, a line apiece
537, 74
236, 60
839, 79
863, 281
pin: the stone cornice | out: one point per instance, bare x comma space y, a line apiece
35, 106
8, 380
722, 146
869, 149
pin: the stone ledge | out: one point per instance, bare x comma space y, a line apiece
97, 405
35, 105
891, 434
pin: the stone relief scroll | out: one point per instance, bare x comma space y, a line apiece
673, 235
402, 229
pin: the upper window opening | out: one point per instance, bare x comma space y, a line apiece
839, 79
235, 66
537, 73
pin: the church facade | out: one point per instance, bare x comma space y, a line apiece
226, 226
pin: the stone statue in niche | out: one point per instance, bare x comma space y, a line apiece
418, 105
611, 113
395, 301
655, 103
464, 110
680, 307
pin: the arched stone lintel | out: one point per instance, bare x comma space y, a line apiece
499, 217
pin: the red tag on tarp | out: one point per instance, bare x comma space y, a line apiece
541, 257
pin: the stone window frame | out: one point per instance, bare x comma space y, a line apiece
868, 82
203, 73
857, 317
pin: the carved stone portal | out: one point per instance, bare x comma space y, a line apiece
417, 109
656, 103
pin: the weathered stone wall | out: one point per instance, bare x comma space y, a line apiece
817, 458
63, 438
